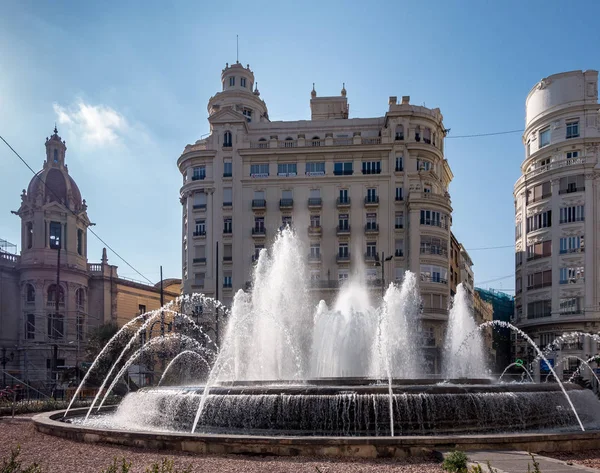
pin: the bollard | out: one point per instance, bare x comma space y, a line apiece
14, 403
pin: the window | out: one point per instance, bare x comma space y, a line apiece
315, 251
399, 247
418, 133
572, 214
259, 170
571, 184
573, 129
371, 249
248, 114
399, 132
227, 225
399, 194
315, 221
371, 221
542, 249
528, 148
539, 192
344, 196
546, 338
572, 154
56, 156
518, 231
55, 326
315, 274
227, 139
231, 81
80, 299
259, 224
257, 250
227, 252
199, 280
427, 135
199, 173
55, 234
371, 274
432, 273
286, 169
433, 218
199, 254
29, 230
29, 293
200, 228
539, 280
571, 275
372, 195
423, 165
80, 241
574, 244
343, 222
343, 169
262, 143
371, 167
541, 220
544, 137
227, 169
243, 81
80, 326
199, 200
141, 309
398, 274
343, 250
227, 279
518, 285
316, 141
315, 169
286, 221
399, 163
343, 275
52, 294
539, 309
570, 305
30, 327
227, 196
399, 220
434, 245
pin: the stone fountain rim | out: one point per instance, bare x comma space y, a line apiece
358, 447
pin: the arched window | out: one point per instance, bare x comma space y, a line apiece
418, 133
56, 326
29, 293
29, 234
316, 141
262, 143
80, 299
52, 294
427, 135
399, 132
289, 142
227, 139
56, 156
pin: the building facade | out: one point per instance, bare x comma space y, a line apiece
483, 312
503, 310
50, 295
557, 217
373, 190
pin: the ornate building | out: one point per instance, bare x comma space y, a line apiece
50, 296
557, 219
370, 189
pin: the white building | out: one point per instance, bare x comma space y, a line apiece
557, 216
352, 187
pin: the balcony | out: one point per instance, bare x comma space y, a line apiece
538, 256
343, 172
371, 201
259, 232
259, 204
199, 177
227, 285
286, 203
315, 203
199, 207
343, 257
199, 261
227, 231
52, 304
287, 143
434, 250
227, 259
434, 223
433, 279
315, 230
371, 141
572, 250
227, 174
314, 258
539, 285
343, 230
572, 346
371, 171
227, 204
371, 229
199, 233
571, 190
343, 202
370, 256
399, 169
399, 226
399, 253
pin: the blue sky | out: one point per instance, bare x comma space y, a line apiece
128, 84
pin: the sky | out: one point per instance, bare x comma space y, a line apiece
128, 82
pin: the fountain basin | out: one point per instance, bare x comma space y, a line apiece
355, 407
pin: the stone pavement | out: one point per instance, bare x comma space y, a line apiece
516, 462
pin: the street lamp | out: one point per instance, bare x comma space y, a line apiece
4, 360
55, 244
380, 262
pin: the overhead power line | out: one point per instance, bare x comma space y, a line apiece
89, 229
490, 248
485, 134
496, 279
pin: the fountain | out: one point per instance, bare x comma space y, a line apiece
292, 366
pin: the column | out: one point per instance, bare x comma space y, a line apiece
555, 207
590, 302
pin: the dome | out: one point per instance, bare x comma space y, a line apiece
60, 187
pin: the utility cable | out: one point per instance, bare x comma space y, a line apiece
58, 200
490, 248
485, 134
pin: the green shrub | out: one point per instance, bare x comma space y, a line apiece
13, 465
455, 462
118, 467
166, 466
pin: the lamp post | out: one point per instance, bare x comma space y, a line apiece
55, 244
381, 262
4, 360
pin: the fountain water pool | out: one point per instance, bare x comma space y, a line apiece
289, 367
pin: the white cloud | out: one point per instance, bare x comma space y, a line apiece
94, 125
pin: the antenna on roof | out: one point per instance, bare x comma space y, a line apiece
237, 49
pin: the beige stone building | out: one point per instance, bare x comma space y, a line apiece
44, 326
355, 189
557, 217
483, 311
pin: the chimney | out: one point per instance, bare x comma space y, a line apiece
393, 100
405, 99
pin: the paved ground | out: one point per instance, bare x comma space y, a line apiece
517, 462
589, 458
57, 455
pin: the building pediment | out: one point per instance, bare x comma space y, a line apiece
227, 115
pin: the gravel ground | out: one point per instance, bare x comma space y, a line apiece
57, 455
589, 458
